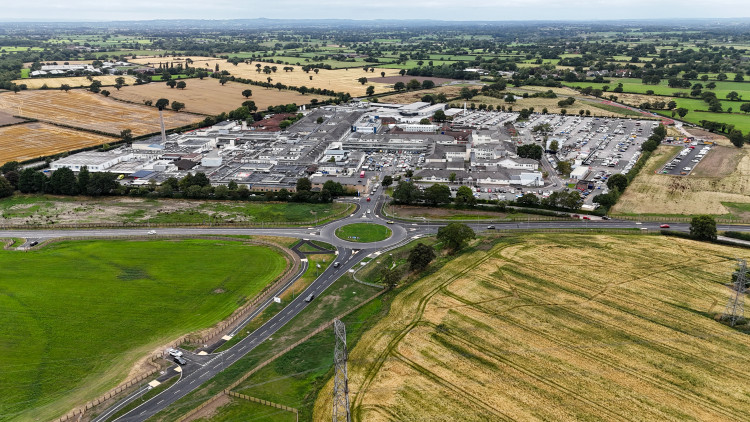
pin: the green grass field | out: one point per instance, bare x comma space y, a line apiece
635, 86
83, 312
243, 410
363, 232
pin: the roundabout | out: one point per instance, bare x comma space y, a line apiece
363, 232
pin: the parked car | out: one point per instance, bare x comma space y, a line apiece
664, 226
174, 353
576, 216
604, 217
586, 217
34, 243
180, 360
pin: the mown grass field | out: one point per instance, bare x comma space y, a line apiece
86, 110
363, 232
558, 327
723, 176
208, 96
32, 140
83, 312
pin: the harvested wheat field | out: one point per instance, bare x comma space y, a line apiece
86, 110
337, 80
559, 327
73, 81
208, 96
32, 140
723, 176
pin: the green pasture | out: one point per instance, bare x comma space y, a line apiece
78, 314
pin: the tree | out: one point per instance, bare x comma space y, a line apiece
554, 146
427, 84
370, 90
63, 182
437, 194
334, 189
733, 96
162, 103
452, 177
65, 87
126, 135
84, 177
735, 137
439, 116
703, 227
413, 84
391, 277
223, 81
465, 197
105, 93
177, 106
455, 235
721, 77
617, 181
387, 181
399, 86
650, 145
530, 151
247, 93
745, 108
382, 74
304, 184
420, 257
406, 193
564, 168
171, 83
181, 85
362, 80
528, 199
6, 189
681, 111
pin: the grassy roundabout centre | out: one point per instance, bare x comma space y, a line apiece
363, 232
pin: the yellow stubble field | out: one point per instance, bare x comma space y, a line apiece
338, 80
31, 140
208, 96
560, 327
86, 110
73, 81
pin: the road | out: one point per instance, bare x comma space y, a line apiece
202, 368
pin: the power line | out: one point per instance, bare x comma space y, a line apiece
340, 379
735, 310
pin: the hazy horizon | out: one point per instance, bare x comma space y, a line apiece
444, 10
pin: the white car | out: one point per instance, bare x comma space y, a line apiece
152, 232
174, 353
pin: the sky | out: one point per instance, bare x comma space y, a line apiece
499, 10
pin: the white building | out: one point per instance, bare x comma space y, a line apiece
95, 161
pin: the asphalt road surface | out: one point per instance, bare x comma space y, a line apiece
202, 368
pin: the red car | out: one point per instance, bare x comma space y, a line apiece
586, 217
368, 199
664, 226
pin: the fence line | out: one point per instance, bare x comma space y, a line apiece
676, 219
260, 366
264, 402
